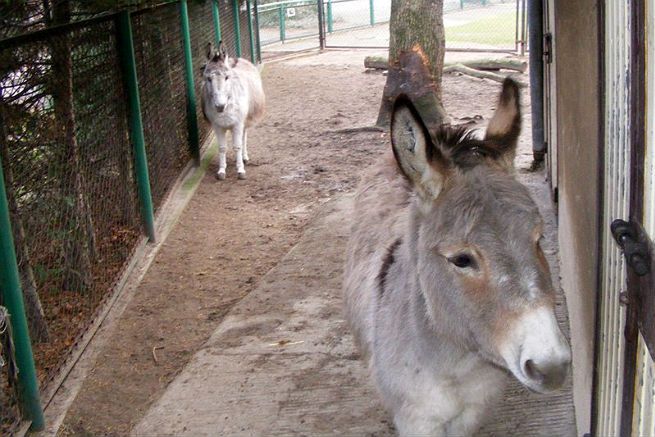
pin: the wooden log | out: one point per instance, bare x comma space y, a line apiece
463, 69
381, 63
498, 64
376, 62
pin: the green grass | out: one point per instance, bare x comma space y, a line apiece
199, 172
497, 30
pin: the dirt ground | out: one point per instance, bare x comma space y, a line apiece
233, 232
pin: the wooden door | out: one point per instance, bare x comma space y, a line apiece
625, 378
611, 314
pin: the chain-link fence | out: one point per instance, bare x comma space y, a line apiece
160, 69
473, 25
68, 154
68, 175
287, 26
9, 408
469, 24
484, 25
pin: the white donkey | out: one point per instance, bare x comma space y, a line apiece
233, 99
446, 287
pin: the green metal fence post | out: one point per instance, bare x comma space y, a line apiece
371, 9
282, 12
217, 21
192, 120
253, 54
12, 297
329, 16
237, 26
128, 65
257, 35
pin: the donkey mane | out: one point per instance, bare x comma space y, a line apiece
389, 259
465, 149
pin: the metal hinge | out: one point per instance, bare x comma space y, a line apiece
634, 248
548, 48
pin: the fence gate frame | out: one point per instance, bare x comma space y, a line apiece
627, 409
325, 28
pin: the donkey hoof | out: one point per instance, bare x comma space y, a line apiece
241, 175
220, 175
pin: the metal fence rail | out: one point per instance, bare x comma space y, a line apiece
98, 119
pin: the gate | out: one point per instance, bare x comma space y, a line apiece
470, 25
287, 27
624, 382
292, 26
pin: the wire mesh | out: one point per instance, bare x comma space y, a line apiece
160, 69
287, 26
244, 31
229, 30
202, 33
363, 23
9, 410
68, 162
469, 24
67, 158
481, 24
69, 177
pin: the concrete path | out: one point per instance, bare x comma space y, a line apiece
283, 362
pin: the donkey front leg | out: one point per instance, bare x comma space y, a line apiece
245, 146
222, 150
237, 139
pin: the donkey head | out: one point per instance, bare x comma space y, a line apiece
476, 242
216, 76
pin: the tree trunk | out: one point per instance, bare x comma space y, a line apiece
79, 239
416, 56
37, 323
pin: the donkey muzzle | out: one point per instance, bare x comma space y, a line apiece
220, 108
536, 351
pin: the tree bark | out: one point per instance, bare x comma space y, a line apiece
79, 237
416, 56
37, 323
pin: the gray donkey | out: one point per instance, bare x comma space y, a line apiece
233, 99
446, 287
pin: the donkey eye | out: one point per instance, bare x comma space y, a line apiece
227, 77
463, 260
209, 79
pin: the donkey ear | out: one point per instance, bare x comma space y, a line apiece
208, 51
222, 51
505, 126
419, 159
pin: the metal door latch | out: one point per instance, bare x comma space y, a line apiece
548, 48
634, 248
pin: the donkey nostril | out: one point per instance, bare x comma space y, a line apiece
548, 375
220, 108
532, 371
